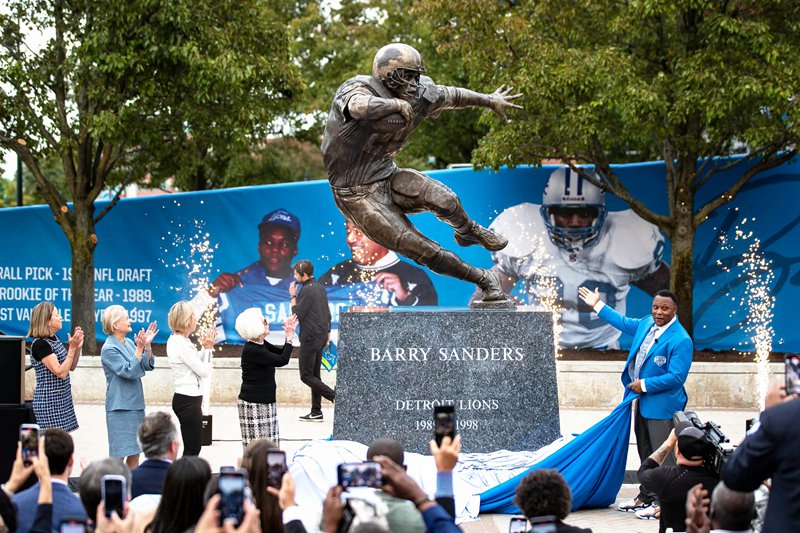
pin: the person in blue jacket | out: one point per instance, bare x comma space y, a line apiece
124, 364
656, 370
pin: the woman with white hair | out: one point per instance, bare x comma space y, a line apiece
190, 367
258, 415
124, 364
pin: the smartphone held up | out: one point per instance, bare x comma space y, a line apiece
114, 492
367, 474
231, 487
444, 423
276, 468
29, 437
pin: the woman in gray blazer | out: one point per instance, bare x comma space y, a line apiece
124, 364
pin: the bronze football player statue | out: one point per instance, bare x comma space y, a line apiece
371, 119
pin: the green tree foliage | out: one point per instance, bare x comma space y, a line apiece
116, 90
52, 170
686, 81
277, 161
332, 45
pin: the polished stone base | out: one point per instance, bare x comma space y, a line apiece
496, 367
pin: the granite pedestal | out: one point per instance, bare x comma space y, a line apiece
496, 367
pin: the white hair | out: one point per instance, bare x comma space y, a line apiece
250, 324
111, 315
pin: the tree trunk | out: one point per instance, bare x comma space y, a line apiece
83, 244
682, 260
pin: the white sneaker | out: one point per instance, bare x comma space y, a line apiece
651, 513
632, 505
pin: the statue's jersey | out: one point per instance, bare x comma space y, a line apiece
354, 152
628, 249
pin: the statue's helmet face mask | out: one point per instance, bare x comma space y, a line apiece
404, 81
399, 67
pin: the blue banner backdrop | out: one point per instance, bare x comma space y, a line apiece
154, 251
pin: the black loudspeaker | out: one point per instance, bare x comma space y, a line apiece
208, 424
12, 370
11, 417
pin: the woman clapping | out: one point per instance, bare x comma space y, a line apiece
189, 367
52, 396
124, 364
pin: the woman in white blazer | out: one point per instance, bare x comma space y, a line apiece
190, 367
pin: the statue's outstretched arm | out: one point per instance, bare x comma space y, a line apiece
369, 107
499, 101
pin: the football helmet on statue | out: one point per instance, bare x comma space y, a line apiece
573, 210
399, 67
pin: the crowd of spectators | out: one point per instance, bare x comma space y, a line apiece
168, 494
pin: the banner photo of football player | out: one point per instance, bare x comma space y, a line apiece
231, 249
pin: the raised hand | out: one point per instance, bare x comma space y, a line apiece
115, 524
208, 337
391, 282
397, 482
446, 455
590, 298
501, 100
224, 283
697, 502
20, 472
290, 326
286, 493
139, 339
332, 509
150, 334
75, 340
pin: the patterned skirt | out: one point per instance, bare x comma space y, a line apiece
258, 421
52, 405
122, 427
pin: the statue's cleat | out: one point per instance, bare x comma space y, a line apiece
490, 285
477, 234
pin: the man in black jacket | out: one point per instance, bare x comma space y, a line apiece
671, 483
310, 304
771, 451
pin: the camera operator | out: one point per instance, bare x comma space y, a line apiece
671, 484
770, 451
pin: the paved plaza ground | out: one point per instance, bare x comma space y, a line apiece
91, 443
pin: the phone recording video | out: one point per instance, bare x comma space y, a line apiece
792, 363
72, 525
29, 437
518, 524
231, 487
444, 423
276, 468
366, 474
113, 492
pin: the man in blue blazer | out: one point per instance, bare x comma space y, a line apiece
58, 447
158, 437
656, 369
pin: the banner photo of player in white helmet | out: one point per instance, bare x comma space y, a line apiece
571, 240
233, 248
